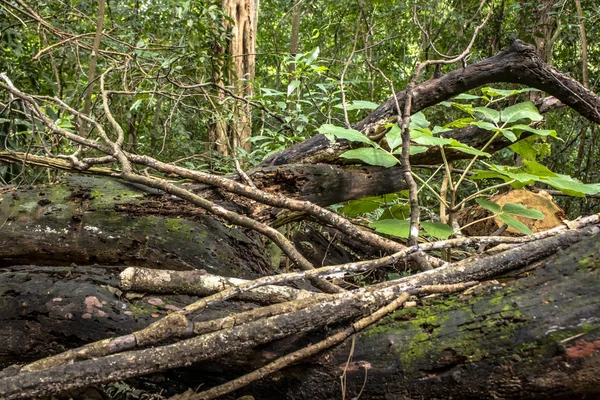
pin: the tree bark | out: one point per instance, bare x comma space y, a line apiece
534, 337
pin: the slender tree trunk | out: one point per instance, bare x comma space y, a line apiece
93, 59
241, 50
585, 81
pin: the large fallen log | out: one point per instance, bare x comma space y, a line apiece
532, 337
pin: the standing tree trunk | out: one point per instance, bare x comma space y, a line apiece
240, 50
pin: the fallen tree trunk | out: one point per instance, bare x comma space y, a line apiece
527, 338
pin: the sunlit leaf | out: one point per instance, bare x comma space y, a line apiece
437, 229
372, 156
344, 133
489, 205
522, 211
526, 110
357, 207
515, 224
394, 137
393, 227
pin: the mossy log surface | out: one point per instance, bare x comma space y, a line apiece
86, 220
534, 337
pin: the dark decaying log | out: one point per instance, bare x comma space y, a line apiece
534, 337
86, 220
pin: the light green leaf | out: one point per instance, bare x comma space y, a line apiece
393, 227
540, 132
396, 211
521, 210
456, 145
571, 186
489, 205
486, 114
466, 96
437, 229
313, 54
492, 92
427, 140
418, 120
459, 123
507, 133
357, 207
343, 133
526, 110
292, 86
524, 149
394, 137
416, 150
515, 224
359, 105
538, 169
488, 126
372, 156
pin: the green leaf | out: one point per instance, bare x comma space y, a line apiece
456, 145
437, 229
359, 105
394, 137
357, 207
488, 126
515, 224
537, 169
396, 211
427, 140
313, 55
292, 86
521, 210
491, 92
540, 132
393, 227
486, 114
507, 133
415, 150
524, 149
526, 110
418, 120
489, 205
372, 156
459, 123
343, 133
466, 96
571, 186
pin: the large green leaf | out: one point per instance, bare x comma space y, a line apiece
394, 137
292, 86
428, 140
489, 205
486, 114
571, 186
344, 133
357, 207
437, 229
466, 96
418, 120
488, 126
456, 145
526, 110
393, 227
540, 132
515, 224
359, 105
522, 211
372, 156
396, 211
